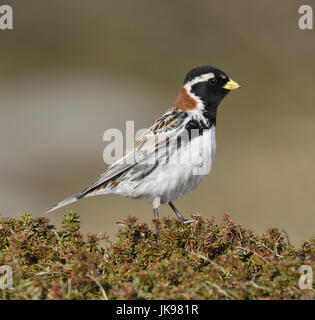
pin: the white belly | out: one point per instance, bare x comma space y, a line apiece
182, 173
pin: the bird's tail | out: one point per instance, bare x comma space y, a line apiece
63, 203
89, 192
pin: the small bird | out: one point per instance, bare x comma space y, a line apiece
172, 157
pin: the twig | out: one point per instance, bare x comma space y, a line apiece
219, 289
287, 237
100, 286
255, 285
218, 267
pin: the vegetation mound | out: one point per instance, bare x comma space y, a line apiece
201, 260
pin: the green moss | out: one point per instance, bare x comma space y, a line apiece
201, 260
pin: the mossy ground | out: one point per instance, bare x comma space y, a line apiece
201, 260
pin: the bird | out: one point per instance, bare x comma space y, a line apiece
173, 156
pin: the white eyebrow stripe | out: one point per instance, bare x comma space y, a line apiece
202, 78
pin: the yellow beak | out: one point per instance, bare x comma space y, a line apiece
231, 85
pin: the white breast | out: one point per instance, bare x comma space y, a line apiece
183, 172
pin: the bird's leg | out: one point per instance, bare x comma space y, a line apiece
156, 203
178, 214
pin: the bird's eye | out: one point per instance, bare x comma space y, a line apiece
213, 81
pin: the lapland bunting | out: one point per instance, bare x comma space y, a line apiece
172, 157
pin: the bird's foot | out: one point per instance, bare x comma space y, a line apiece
185, 221
157, 224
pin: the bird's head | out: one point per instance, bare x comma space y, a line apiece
204, 88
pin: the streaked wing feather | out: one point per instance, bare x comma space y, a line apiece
163, 130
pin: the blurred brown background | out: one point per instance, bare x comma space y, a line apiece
70, 70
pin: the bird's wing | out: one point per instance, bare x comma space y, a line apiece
163, 130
